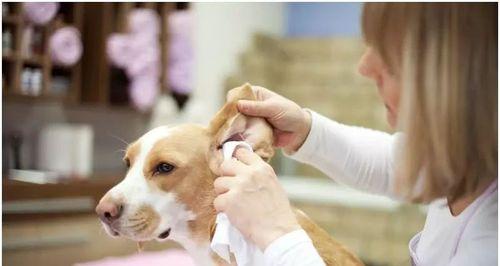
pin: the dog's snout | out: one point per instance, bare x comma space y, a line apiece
109, 210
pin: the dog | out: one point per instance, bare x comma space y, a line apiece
168, 190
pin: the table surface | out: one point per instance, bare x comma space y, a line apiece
94, 187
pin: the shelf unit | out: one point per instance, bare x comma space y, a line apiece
16, 60
93, 80
106, 84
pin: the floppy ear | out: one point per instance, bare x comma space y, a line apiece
230, 125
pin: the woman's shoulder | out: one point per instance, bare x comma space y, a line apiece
479, 240
483, 223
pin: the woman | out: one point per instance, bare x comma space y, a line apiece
435, 66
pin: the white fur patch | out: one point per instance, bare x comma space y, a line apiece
135, 191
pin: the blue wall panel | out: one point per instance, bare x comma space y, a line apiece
323, 19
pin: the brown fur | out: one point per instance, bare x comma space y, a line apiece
192, 180
132, 153
332, 252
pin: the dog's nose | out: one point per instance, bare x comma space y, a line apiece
109, 211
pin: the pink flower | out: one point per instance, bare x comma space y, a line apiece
146, 64
138, 53
144, 21
120, 49
40, 13
143, 91
66, 46
180, 52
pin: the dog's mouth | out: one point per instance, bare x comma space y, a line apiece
111, 230
165, 234
115, 231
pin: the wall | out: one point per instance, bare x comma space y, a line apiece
323, 19
222, 32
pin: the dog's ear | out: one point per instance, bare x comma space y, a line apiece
229, 124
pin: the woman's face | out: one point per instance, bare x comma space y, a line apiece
372, 66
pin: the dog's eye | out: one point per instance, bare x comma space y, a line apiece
127, 162
163, 168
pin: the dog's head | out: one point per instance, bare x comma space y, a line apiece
168, 189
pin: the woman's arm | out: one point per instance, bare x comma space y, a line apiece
356, 156
292, 249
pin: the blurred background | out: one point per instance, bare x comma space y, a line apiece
81, 80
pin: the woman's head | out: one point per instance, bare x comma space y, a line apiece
373, 67
436, 69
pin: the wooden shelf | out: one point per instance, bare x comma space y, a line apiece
17, 190
29, 98
69, 14
94, 188
92, 80
34, 60
10, 57
104, 82
12, 19
61, 68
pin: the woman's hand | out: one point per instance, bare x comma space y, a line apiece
255, 203
290, 122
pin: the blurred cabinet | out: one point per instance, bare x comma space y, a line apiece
104, 83
93, 80
27, 69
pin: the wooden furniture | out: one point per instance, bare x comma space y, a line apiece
105, 84
37, 233
64, 241
93, 80
16, 192
34, 54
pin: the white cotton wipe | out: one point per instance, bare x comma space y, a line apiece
229, 147
227, 239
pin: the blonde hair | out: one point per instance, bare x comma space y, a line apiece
445, 55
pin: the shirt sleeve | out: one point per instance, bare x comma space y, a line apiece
359, 157
293, 249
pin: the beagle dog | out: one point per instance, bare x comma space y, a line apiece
168, 190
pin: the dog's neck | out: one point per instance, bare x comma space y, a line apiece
197, 235
196, 239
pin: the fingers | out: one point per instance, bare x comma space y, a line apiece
247, 157
262, 93
221, 201
223, 184
231, 167
255, 108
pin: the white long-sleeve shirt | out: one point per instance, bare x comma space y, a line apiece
364, 159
